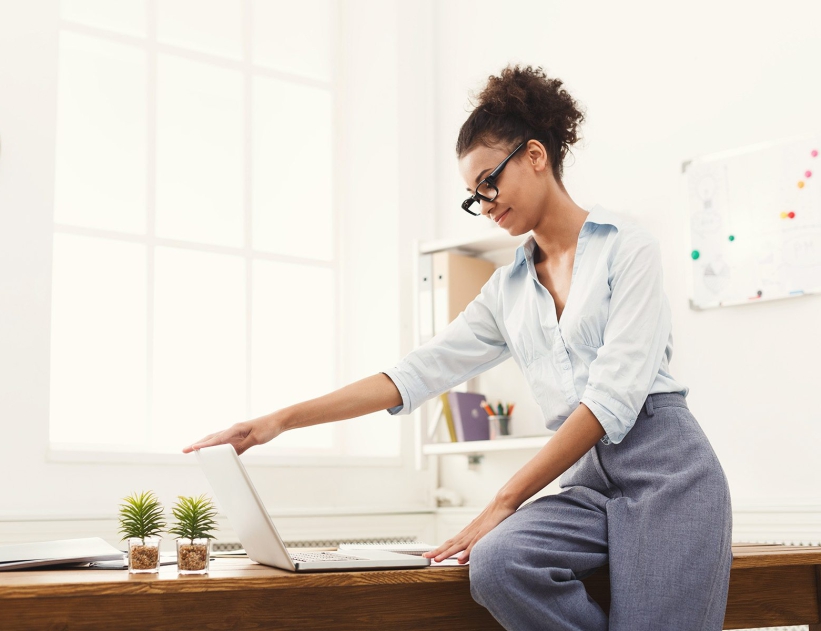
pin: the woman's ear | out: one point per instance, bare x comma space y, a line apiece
537, 156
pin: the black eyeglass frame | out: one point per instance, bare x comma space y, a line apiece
490, 181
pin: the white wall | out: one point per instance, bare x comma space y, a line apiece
662, 83
368, 158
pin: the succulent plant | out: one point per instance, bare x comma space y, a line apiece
194, 518
141, 515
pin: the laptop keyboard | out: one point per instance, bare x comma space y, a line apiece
316, 557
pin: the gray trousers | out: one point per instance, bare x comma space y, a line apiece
655, 506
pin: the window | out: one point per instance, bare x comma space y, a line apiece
196, 269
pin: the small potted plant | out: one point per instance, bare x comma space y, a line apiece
141, 521
194, 522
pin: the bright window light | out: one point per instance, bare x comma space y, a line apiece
122, 16
101, 135
199, 345
294, 354
196, 266
199, 152
292, 169
209, 26
294, 37
98, 343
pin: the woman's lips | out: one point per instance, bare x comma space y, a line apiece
501, 217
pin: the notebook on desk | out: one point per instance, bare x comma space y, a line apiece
236, 495
60, 553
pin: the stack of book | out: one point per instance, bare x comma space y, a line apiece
464, 416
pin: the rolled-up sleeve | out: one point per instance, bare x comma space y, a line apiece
635, 338
469, 345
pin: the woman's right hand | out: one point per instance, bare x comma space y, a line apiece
371, 394
243, 435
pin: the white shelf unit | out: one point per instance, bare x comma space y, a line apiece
498, 247
484, 446
492, 242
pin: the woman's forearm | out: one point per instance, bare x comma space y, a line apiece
573, 439
367, 395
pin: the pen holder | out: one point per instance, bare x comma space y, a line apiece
499, 426
143, 555
193, 555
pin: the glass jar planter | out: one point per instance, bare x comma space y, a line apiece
193, 555
144, 555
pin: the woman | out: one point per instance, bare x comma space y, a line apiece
582, 310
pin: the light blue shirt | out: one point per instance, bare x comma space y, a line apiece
610, 349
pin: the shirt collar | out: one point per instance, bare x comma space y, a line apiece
596, 216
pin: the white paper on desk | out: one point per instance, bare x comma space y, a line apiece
63, 551
229, 554
415, 549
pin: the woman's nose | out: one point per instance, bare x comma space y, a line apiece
486, 207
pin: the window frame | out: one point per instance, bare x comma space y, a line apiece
61, 452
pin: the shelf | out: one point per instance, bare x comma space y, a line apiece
495, 239
485, 446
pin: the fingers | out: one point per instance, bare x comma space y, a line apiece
448, 549
465, 556
240, 435
462, 543
195, 445
451, 548
208, 441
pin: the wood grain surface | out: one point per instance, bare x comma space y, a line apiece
770, 585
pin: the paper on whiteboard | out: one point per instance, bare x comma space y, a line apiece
755, 223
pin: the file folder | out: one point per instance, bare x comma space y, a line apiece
425, 297
457, 280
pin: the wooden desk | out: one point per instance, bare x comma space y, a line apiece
770, 585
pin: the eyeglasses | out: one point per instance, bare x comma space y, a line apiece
487, 189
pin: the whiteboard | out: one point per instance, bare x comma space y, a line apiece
755, 223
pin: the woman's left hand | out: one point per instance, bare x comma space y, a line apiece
493, 515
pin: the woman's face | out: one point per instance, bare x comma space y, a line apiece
522, 192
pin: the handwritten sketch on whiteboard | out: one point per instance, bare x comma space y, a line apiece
755, 223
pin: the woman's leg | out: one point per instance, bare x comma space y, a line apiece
527, 571
669, 523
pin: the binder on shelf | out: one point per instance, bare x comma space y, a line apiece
448, 414
437, 418
442, 411
469, 417
425, 297
457, 280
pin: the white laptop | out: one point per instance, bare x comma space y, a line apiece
239, 499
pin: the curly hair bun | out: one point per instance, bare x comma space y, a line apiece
519, 104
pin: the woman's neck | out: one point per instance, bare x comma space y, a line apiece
557, 232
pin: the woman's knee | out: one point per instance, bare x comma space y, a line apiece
487, 563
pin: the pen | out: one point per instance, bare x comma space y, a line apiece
501, 412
